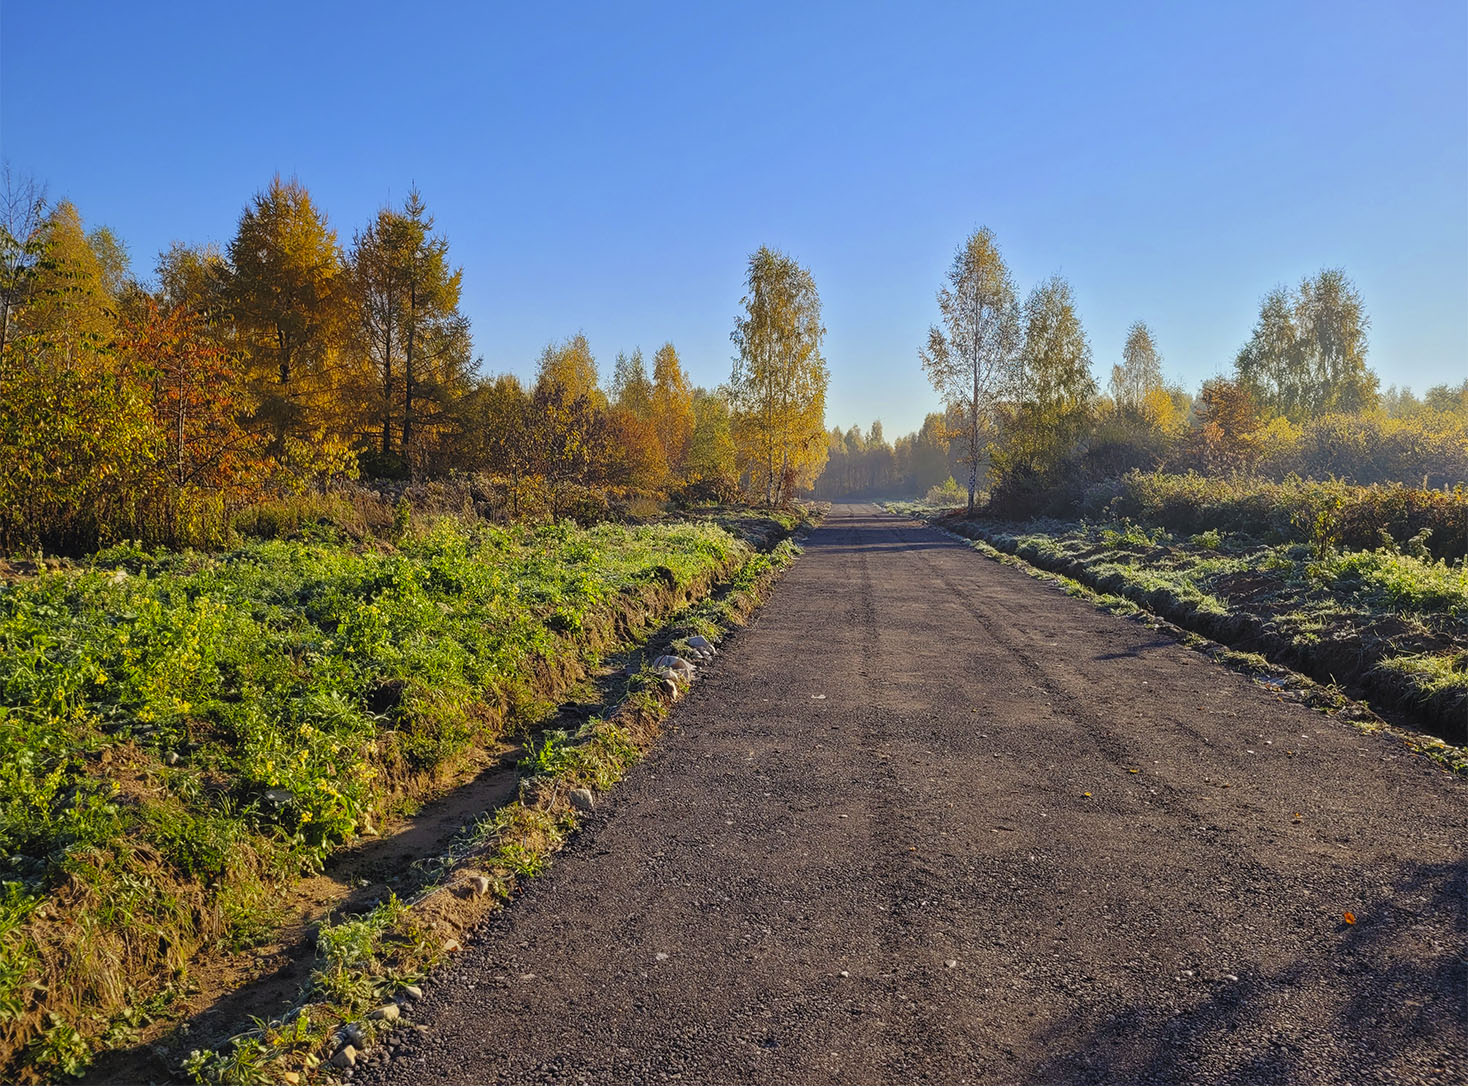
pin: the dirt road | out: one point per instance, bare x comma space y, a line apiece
931, 820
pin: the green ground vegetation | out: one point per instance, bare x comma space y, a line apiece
185, 732
1390, 622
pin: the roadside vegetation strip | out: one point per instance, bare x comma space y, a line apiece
368, 967
1283, 682
1324, 513
183, 734
1389, 626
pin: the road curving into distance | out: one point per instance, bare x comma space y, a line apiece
928, 819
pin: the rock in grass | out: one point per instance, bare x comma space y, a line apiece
698, 642
478, 885
669, 689
384, 1012
583, 800
413, 993
677, 664
345, 1058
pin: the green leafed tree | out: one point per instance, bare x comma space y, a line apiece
1050, 403
631, 388
1307, 354
970, 358
1140, 369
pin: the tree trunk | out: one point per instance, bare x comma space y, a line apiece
387, 388
408, 363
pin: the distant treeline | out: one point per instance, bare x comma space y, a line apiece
1027, 418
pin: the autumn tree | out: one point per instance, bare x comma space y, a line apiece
1228, 418
712, 458
631, 387
22, 245
634, 455
194, 277
568, 434
197, 398
571, 365
76, 436
286, 292
672, 408
1050, 404
1140, 369
207, 460
407, 302
778, 388
970, 359
1307, 354
500, 434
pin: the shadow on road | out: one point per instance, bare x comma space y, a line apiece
1404, 990
1136, 651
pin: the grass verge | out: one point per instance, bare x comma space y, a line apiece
367, 961
186, 734
1191, 589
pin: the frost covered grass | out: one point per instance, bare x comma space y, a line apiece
1390, 622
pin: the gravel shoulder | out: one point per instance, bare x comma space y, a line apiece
928, 819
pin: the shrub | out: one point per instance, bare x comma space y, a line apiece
1325, 513
948, 493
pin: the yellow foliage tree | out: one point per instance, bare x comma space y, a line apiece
778, 389
672, 408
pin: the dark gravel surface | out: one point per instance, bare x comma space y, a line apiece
928, 819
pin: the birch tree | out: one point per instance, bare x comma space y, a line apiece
778, 388
970, 360
1140, 370
1307, 355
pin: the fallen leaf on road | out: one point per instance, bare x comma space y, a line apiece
1133, 770
1350, 918
1085, 795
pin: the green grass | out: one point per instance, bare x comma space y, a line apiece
363, 959
184, 732
1392, 623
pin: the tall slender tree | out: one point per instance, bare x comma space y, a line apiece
407, 303
672, 408
631, 387
778, 388
1051, 402
970, 360
1140, 370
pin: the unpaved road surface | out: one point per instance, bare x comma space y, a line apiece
928, 819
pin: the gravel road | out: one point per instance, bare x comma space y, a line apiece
928, 819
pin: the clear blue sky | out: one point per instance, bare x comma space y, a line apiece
608, 167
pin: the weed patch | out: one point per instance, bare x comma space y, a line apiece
185, 733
